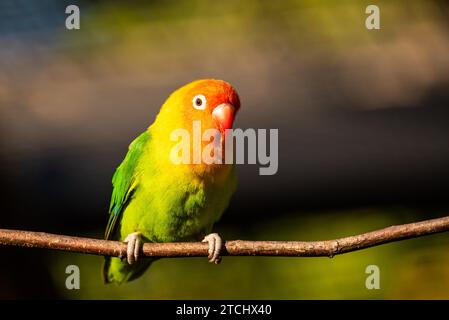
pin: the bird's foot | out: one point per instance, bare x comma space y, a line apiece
215, 245
134, 242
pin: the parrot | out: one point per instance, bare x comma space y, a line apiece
156, 200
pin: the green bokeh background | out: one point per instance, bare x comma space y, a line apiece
414, 269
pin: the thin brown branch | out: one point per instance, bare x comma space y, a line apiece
231, 248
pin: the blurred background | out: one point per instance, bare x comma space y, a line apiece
363, 119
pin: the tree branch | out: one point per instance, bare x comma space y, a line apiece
231, 248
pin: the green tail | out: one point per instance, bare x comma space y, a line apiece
119, 271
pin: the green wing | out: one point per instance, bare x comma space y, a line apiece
125, 181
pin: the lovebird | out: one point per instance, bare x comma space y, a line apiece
157, 200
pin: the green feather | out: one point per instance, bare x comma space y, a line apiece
125, 181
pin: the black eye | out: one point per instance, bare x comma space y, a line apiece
199, 102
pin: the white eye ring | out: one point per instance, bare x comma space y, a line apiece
199, 102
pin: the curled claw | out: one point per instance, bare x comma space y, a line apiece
215, 244
134, 246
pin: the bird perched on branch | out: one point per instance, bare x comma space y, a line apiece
157, 200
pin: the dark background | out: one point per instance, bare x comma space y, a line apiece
363, 125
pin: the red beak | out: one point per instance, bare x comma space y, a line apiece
223, 116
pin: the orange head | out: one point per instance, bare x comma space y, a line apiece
213, 102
